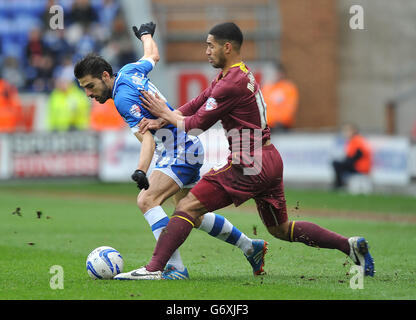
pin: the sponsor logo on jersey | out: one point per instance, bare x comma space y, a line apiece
138, 79
135, 110
211, 104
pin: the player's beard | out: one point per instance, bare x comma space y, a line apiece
105, 95
220, 61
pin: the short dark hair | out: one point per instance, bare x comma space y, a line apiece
92, 64
228, 31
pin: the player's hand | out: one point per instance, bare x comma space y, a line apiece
151, 124
154, 104
145, 28
140, 178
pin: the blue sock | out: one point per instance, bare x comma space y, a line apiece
220, 228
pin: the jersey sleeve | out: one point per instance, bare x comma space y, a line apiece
144, 65
192, 106
130, 107
221, 102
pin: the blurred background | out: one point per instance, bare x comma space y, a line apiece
321, 64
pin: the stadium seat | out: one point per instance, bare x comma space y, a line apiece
18, 17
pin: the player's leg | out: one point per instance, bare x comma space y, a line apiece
161, 187
182, 221
274, 216
175, 233
219, 227
216, 190
195, 204
275, 219
271, 205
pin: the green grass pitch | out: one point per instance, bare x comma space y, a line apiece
77, 218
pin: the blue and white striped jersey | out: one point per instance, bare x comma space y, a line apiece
172, 146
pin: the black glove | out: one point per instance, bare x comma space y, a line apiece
145, 28
140, 178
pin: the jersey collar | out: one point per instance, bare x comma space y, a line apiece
240, 64
115, 83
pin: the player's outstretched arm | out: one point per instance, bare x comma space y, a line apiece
150, 48
145, 34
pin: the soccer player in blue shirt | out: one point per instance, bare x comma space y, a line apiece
179, 156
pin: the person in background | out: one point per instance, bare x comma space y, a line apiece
83, 13
68, 107
11, 70
118, 51
10, 107
281, 97
45, 17
40, 63
108, 13
358, 156
57, 44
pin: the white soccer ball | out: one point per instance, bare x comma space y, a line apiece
104, 263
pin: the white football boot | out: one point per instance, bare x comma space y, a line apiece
139, 274
361, 256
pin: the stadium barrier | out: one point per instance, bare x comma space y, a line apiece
49, 155
308, 157
113, 156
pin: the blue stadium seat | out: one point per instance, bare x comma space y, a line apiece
19, 17
25, 22
13, 49
5, 26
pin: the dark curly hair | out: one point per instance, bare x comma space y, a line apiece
92, 64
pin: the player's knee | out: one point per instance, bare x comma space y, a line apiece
190, 206
280, 232
182, 205
145, 202
197, 222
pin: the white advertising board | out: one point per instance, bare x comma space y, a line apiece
5, 171
119, 155
308, 157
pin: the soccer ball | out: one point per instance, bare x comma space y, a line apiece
104, 263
